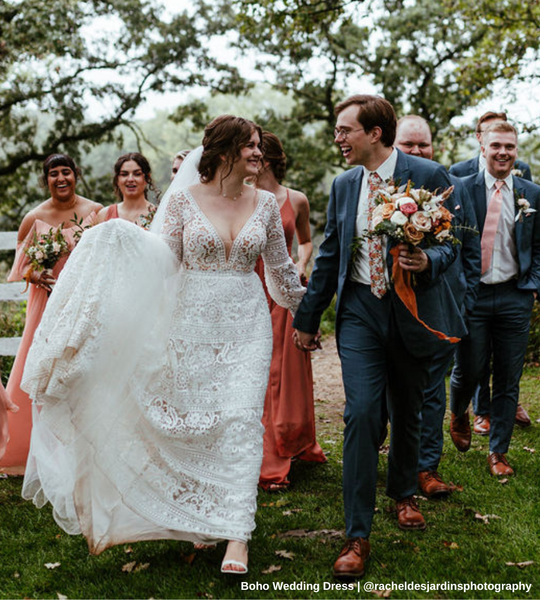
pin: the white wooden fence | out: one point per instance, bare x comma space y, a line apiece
12, 292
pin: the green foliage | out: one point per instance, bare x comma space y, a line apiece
72, 72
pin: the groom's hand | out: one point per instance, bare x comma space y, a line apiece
307, 341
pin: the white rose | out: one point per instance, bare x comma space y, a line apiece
421, 220
56, 247
398, 218
39, 255
523, 203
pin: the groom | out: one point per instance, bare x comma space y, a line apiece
383, 349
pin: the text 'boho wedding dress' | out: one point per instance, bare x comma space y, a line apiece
148, 374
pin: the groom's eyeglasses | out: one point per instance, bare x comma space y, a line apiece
344, 133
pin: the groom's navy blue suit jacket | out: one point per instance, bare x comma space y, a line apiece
436, 303
527, 231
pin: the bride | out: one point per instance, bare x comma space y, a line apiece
149, 370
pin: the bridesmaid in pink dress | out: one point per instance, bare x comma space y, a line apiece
60, 175
132, 181
289, 418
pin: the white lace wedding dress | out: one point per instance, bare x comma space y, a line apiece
148, 373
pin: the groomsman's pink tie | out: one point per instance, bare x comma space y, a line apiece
376, 261
491, 225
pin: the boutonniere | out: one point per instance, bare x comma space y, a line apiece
517, 173
523, 207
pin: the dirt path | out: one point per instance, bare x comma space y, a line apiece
328, 387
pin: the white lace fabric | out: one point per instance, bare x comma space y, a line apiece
150, 369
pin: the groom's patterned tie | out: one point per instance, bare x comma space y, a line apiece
491, 225
376, 261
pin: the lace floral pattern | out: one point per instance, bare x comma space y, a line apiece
176, 427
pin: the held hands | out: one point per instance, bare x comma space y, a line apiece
307, 342
415, 260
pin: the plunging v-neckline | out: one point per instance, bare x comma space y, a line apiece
214, 228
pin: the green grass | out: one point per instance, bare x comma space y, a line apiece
456, 547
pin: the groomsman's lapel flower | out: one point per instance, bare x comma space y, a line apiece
523, 207
517, 173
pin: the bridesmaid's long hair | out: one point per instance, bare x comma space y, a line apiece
224, 138
274, 155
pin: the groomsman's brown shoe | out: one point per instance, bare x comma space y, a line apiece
481, 425
522, 418
460, 431
432, 485
352, 558
408, 514
498, 465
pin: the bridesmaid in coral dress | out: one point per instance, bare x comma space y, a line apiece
132, 181
289, 418
60, 175
5, 405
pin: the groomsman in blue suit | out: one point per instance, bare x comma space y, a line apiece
478, 163
382, 347
506, 209
413, 137
481, 398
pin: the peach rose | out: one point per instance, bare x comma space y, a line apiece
412, 235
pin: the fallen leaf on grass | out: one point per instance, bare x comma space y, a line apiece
451, 545
291, 511
128, 550
312, 533
485, 518
61, 596
16, 575
285, 554
271, 569
52, 565
382, 593
455, 488
504, 480
128, 567
141, 567
531, 450
521, 565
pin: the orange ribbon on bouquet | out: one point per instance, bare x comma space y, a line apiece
404, 289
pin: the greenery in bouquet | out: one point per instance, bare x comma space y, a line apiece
46, 249
146, 220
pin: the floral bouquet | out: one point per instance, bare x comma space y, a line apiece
412, 216
146, 220
47, 249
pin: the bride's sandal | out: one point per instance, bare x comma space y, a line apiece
241, 566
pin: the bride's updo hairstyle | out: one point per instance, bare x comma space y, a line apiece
274, 155
142, 161
223, 140
57, 160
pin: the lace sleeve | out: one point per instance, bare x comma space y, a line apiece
173, 225
280, 274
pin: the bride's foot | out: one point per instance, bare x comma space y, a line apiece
236, 558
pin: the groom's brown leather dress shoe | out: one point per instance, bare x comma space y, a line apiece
432, 485
460, 431
481, 425
498, 465
352, 558
408, 514
522, 418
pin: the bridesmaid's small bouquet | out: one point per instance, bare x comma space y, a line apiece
47, 249
412, 216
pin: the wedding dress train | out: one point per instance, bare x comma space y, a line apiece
148, 374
